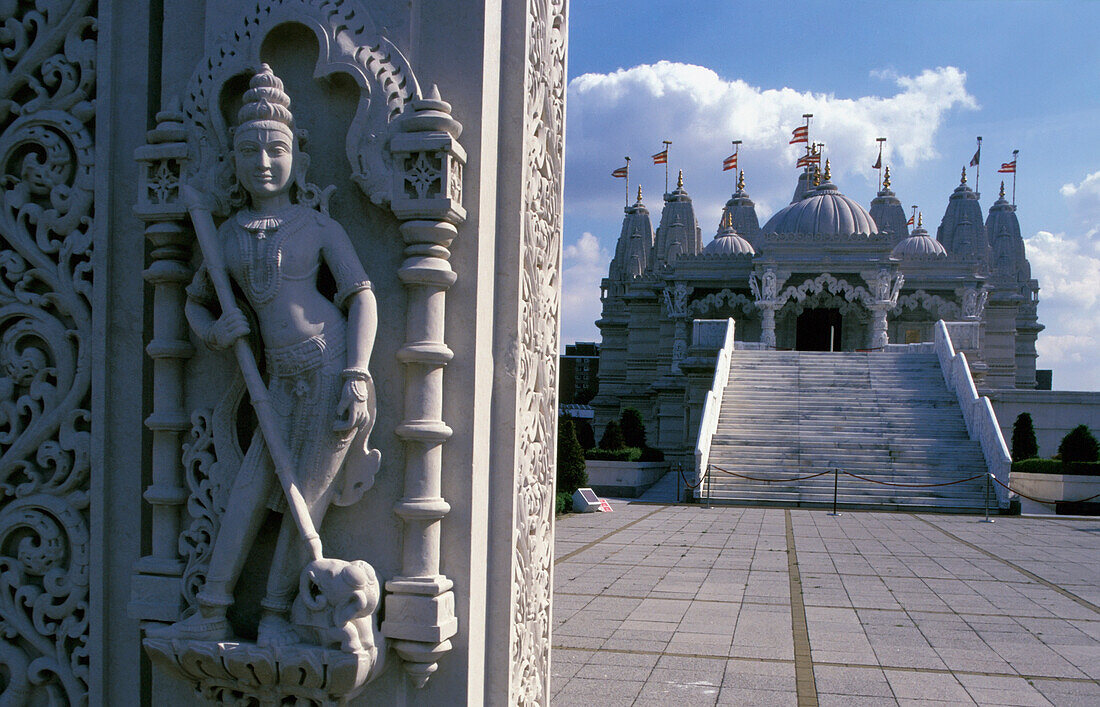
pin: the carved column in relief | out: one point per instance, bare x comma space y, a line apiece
169, 271
427, 196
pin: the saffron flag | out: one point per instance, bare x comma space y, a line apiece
807, 160
801, 134
729, 163
977, 158
910, 221
878, 162
661, 157
620, 173
1008, 167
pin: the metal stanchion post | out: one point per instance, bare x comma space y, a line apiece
988, 483
679, 471
836, 476
708, 486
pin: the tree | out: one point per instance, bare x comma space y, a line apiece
571, 471
633, 429
1079, 446
612, 436
1024, 445
585, 435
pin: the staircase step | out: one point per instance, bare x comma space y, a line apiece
888, 417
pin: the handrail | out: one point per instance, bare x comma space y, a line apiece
981, 421
712, 406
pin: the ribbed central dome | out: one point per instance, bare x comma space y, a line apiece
825, 211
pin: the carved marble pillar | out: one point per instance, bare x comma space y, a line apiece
879, 335
767, 323
156, 586
420, 612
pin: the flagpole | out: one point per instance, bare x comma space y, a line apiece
978, 169
666, 144
1015, 167
880, 141
736, 161
628, 182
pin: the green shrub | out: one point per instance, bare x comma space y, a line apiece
1024, 445
563, 502
1079, 446
612, 436
649, 454
585, 435
1056, 466
622, 454
571, 473
633, 429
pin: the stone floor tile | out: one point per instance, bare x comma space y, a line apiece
926, 686
587, 691
756, 698
663, 694
868, 682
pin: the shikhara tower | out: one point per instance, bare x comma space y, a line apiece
822, 274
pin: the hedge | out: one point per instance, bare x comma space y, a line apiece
1056, 466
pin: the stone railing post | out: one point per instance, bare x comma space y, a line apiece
156, 587
427, 197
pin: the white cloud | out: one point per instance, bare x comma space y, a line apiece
1069, 276
585, 263
630, 111
1083, 201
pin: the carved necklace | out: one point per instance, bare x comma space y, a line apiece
260, 239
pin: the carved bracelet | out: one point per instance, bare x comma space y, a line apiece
357, 374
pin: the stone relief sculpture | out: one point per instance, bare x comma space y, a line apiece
402, 153
315, 414
321, 393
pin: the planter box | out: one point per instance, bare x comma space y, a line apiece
1064, 489
623, 479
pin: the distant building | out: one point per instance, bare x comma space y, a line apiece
579, 369
823, 274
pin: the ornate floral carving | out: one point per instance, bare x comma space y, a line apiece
540, 256
47, 117
935, 305
723, 298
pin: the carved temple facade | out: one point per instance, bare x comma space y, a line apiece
432, 135
823, 274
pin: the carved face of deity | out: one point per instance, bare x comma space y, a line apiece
264, 161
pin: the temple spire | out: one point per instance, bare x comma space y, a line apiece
886, 179
963, 180
680, 180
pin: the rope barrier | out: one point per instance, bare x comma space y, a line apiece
1039, 500
686, 482
881, 483
912, 486
769, 481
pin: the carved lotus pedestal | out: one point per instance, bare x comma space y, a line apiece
249, 674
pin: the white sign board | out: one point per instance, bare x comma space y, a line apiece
585, 501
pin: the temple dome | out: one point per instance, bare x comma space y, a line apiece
727, 242
919, 246
824, 211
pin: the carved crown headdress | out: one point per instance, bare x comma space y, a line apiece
265, 102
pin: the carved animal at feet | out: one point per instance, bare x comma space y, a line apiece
336, 605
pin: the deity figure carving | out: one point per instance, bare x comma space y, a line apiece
316, 421
974, 302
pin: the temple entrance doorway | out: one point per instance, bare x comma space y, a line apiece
818, 329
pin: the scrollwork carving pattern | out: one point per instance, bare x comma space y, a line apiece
47, 120
540, 253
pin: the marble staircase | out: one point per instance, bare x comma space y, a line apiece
881, 415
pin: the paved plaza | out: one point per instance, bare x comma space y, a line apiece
685, 605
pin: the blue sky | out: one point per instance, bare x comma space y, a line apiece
930, 76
